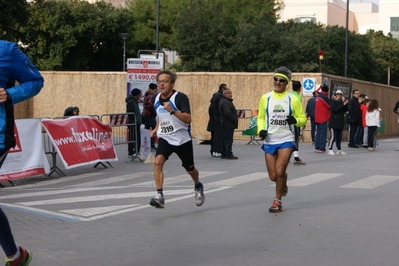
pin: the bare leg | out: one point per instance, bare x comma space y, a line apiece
158, 171
276, 168
194, 175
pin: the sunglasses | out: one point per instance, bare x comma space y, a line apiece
339, 93
280, 80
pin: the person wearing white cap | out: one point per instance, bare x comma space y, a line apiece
339, 106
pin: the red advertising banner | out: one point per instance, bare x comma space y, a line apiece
81, 140
27, 158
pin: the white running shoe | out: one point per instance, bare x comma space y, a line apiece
330, 152
341, 153
158, 201
199, 195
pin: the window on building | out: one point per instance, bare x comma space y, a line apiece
305, 19
395, 24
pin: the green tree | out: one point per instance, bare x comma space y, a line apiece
206, 32
74, 35
386, 53
13, 14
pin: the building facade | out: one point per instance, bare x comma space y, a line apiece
382, 15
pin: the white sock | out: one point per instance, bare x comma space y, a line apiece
17, 255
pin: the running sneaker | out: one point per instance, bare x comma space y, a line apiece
299, 162
285, 192
276, 206
158, 201
199, 195
341, 152
23, 260
330, 152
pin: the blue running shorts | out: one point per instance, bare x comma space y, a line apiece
273, 148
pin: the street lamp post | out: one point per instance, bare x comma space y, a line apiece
321, 56
124, 37
346, 38
157, 30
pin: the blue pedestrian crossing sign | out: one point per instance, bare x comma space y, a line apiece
309, 85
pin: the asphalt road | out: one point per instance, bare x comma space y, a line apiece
340, 210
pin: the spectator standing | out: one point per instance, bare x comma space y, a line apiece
278, 111
173, 130
322, 116
14, 66
229, 119
339, 106
149, 114
212, 127
218, 135
363, 108
132, 106
310, 107
353, 118
296, 90
71, 111
359, 131
396, 109
373, 118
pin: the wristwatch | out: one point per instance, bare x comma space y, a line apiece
172, 112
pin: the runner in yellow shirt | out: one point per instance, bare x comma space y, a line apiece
279, 112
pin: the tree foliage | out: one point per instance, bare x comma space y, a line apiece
13, 14
74, 35
208, 35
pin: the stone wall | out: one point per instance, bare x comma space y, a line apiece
105, 92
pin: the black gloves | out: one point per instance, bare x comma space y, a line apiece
263, 134
290, 120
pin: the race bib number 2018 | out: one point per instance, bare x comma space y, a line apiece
167, 126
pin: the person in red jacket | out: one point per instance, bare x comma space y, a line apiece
322, 115
364, 107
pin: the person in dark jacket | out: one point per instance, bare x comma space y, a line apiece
354, 117
396, 109
14, 66
149, 113
71, 111
339, 107
211, 127
132, 106
218, 133
229, 119
310, 113
322, 115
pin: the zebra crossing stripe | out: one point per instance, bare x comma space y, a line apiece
371, 182
238, 180
178, 179
311, 179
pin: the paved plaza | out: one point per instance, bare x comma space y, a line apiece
340, 210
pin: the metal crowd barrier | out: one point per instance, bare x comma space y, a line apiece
122, 129
244, 118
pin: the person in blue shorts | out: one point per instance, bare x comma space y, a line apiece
279, 111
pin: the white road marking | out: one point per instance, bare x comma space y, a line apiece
103, 197
87, 212
238, 180
52, 181
75, 218
114, 179
311, 179
371, 182
178, 179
